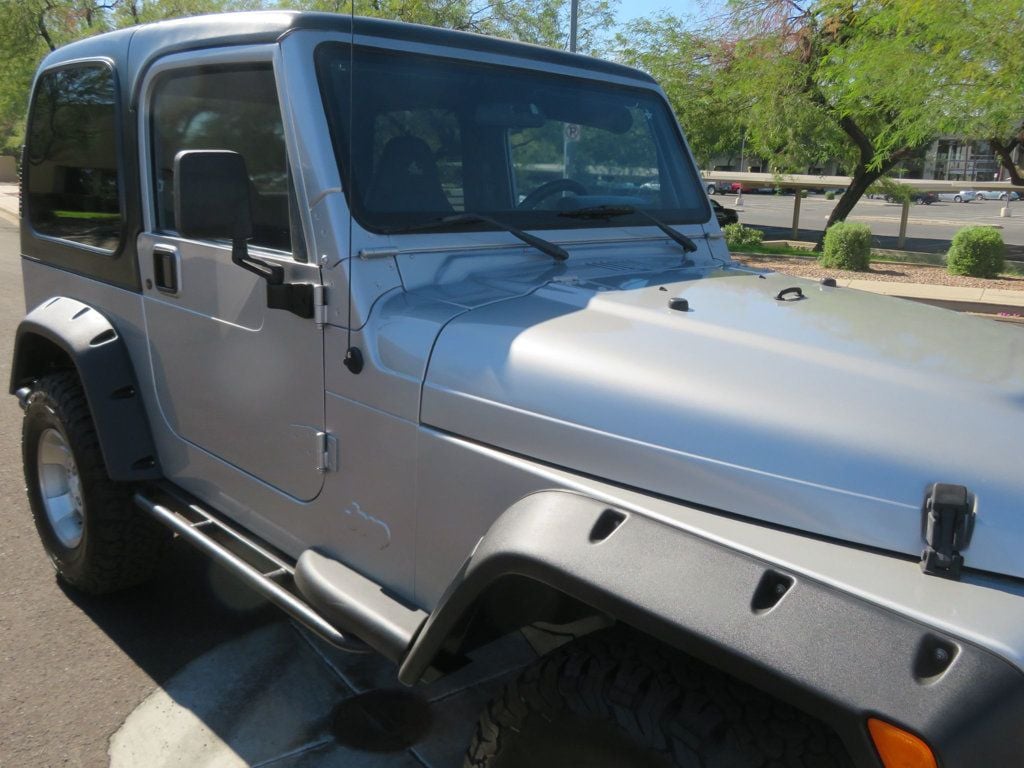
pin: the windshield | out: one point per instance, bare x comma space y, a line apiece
435, 137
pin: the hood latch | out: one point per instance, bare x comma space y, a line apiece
948, 524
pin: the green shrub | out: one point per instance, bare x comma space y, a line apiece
803, 193
847, 246
738, 237
976, 251
830, 195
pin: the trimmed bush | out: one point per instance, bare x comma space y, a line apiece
830, 195
847, 246
738, 237
978, 252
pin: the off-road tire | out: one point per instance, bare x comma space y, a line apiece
120, 546
674, 710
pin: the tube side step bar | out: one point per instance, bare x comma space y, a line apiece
267, 573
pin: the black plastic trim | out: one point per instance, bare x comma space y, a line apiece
822, 649
91, 342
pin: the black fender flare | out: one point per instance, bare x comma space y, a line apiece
98, 353
820, 648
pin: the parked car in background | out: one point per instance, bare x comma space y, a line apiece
724, 215
748, 189
963, 196
998, 194
717, 187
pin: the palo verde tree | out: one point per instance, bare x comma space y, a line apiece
785, 69
692, 67
961, 62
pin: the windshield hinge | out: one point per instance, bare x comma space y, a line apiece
948, 524
325, 452
319, 305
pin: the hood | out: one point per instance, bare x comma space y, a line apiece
831, 414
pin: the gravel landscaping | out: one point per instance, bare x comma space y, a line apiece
883, 272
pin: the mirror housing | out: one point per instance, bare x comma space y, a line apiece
211, 195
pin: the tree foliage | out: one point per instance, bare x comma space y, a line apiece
851, 80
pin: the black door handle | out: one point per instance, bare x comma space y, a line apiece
165, 269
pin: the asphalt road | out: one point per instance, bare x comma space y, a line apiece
930, 227
73, 667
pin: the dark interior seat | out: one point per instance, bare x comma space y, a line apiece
406, 179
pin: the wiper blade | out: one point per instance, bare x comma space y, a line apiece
544, 246
610, 211
599, 212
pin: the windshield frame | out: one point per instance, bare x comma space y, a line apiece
667, 139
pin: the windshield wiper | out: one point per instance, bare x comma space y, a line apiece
611, 211
554, 251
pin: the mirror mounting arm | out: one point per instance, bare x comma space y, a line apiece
272, 273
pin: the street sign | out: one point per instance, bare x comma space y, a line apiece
572, 132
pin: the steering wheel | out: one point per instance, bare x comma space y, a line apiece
549, 188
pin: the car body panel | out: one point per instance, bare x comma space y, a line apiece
844, 429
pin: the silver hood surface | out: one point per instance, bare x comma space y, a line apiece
831, 414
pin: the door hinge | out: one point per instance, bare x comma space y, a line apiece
325, 452
948, 524
319, 305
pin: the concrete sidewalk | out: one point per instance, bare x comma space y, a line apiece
940, 294
973, 299
9, 202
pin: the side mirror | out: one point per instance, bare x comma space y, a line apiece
211, 201
211, 195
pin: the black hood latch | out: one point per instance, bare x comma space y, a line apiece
948, 524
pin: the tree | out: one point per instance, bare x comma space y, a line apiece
795, 74
692, 67
974, 69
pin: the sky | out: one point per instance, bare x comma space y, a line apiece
633, 9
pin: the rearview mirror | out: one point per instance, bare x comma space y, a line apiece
509, 114
211, 195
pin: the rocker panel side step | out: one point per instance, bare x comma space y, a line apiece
255, 565
357, 604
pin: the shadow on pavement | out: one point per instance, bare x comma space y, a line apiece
190, 606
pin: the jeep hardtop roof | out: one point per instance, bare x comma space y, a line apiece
134, 48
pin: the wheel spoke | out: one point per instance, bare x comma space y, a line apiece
53, 480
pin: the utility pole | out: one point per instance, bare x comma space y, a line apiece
567, 144
574, 12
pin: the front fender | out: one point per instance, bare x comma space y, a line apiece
822, 649
61, 331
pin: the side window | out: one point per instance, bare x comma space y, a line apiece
72, 158
233, 108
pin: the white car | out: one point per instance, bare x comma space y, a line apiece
963, 196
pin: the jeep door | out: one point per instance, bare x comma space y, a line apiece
233, 377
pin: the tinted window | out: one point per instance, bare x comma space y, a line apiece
230, 108
72, 174
435, 136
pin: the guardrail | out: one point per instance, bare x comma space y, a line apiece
807, 181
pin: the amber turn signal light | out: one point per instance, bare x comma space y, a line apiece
898, 748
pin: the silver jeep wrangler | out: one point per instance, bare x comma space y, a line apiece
430, 337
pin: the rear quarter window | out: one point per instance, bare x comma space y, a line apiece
72, 169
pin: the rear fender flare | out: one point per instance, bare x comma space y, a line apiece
63, 330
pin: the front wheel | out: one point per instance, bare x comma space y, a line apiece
95, 538
619, 700
711, 189
957, 199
